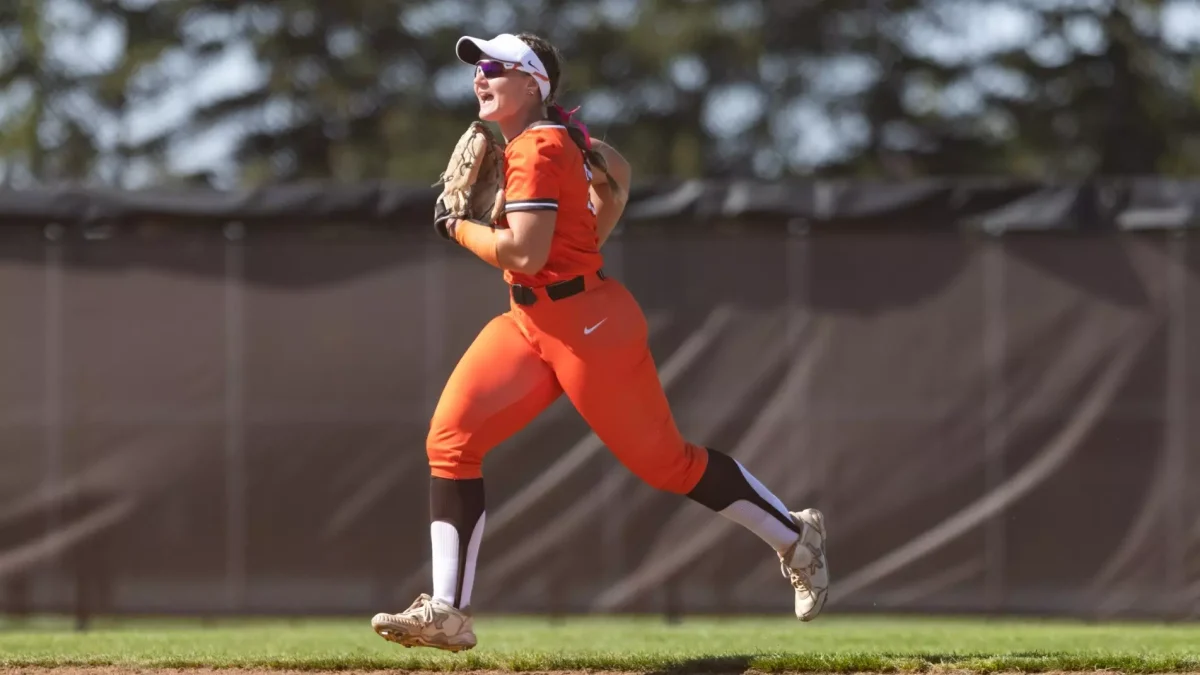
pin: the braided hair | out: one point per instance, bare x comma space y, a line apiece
555, 113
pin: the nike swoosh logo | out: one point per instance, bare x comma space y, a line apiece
588, 331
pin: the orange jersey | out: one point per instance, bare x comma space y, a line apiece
545, 171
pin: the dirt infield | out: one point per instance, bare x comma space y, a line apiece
135, 670
112, 670
132, 670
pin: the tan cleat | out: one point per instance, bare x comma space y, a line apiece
803, 563
427, 623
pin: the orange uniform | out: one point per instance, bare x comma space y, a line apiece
569, 329
543, 169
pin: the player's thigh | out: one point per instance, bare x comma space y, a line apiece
625, 405
612, 381
497, 388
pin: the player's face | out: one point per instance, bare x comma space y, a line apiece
502, 91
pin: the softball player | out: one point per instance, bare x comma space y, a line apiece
569, 330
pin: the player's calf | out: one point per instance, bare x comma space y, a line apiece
797, 538
729, 489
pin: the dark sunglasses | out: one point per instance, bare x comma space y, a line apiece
493, 69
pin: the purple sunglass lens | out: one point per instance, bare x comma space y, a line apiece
491, 69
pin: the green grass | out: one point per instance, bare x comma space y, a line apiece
831, 644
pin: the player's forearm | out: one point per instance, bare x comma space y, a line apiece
479, 239
500, 248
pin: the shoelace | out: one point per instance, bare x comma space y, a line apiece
421, 611
799, 580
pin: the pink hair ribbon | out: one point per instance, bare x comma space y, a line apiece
566, 118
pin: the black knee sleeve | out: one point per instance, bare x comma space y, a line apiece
461, 504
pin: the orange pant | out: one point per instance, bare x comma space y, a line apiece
591, 346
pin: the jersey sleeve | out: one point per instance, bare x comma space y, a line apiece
533, 177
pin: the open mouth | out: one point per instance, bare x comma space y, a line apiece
485, 97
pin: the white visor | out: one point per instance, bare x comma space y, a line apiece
509, 49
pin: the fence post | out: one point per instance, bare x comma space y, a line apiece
1176, 422
797, 247
995, 426
235, 469
615, 526
52, 396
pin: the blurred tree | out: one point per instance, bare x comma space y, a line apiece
143, 91
1104, 93
1027, 87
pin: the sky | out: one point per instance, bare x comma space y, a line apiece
977, 27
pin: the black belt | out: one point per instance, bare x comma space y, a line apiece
524, 295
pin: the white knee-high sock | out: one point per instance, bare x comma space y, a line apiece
454, 565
